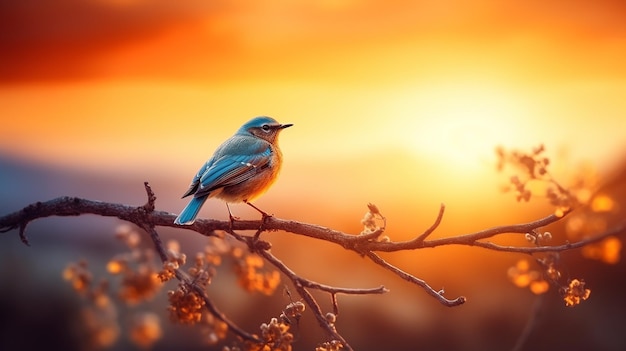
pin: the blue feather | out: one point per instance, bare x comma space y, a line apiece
190, 212
241, 168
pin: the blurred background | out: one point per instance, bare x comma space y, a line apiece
399, 103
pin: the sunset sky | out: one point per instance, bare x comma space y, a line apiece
391, 101
84, 80
397, 102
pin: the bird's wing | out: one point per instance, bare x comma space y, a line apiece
195, 182
231, 170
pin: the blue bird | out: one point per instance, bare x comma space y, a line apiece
241, 169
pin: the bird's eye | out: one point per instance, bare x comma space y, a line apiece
266, 127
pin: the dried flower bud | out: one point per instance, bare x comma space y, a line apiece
575, 293
373, 209
547, 236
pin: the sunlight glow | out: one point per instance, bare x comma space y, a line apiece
460, 122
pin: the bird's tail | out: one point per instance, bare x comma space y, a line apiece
189, 213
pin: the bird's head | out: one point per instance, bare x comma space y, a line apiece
263, 127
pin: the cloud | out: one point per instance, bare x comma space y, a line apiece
62, 39
43, 40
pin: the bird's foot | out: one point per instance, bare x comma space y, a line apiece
264, 217
232, 220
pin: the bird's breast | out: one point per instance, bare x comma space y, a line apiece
257, 184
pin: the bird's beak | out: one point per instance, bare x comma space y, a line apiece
283, 126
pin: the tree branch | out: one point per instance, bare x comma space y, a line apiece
300, 284
147, 218
470, 239
413, 279
616, 230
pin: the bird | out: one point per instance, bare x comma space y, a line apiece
241, 169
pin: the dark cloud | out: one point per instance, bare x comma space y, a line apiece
45, 40
61, 39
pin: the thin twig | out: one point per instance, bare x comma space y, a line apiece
156, 240
232, 326
438, 294
466, 239
301, 284
319, 286
615, 230
420, 239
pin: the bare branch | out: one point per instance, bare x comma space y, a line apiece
300, 284
615, 230
420, 239
412, 279
156, 239
470, 239
147, 218
185, 279
315, 285
149, 206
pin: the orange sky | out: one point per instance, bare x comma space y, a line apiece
396, 102
120, 85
